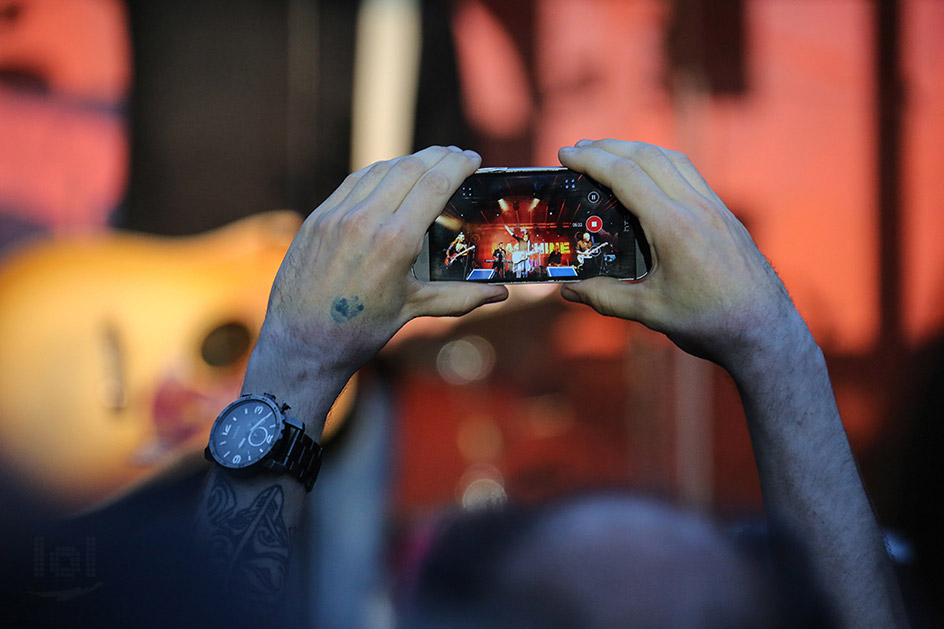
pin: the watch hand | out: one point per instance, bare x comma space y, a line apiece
242, 442
260, 421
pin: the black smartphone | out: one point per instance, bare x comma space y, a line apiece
526, 225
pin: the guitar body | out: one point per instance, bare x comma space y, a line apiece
590, 253
118, 350
452, 257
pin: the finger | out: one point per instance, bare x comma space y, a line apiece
385, 199
453, 298
610, 297
427, 198
691, 174
357, 185
632, 185
385, 176
657, 164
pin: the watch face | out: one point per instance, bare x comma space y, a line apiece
245, 432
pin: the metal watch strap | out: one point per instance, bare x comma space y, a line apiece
301, 457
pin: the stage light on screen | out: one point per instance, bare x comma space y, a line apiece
503, 205
534, 204
450, 223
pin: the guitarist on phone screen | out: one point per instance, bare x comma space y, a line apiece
459, 251
588, 261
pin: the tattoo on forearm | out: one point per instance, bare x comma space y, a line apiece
250, 545
344, 309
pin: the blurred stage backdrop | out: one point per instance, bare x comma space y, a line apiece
156, 157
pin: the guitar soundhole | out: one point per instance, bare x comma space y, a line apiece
226, 345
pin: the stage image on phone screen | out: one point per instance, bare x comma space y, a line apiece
534, 226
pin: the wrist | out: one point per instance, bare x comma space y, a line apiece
306, 382
787, 370
780, 350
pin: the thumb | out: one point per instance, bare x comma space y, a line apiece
445, 299
608, 296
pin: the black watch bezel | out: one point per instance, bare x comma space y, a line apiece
293, 452
213, 454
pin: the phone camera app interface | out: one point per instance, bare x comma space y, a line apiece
532, 227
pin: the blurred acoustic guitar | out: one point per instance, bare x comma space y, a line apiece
118, 350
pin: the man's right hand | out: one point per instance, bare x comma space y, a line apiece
713, 293
710, 289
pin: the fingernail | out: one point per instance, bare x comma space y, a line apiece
583, 143
567, 149
472, 154
454, 148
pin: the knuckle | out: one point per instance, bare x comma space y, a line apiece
365, 178
627, 168
646, 152
434, 150
678, 157
392, 234
375, 173
316, 222
468, 156
383, 164
710, 208
354, 224
351, 180
411, 165
436, 182
686, 227
608, 145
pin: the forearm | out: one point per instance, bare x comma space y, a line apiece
343, 290
809, 478
246, 524
716, 296
245, 530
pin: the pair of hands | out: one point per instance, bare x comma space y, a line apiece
346, 287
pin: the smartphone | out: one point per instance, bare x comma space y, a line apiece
528, 225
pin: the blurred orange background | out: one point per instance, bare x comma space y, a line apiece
820, 123
135, 136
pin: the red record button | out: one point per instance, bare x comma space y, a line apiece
594, 224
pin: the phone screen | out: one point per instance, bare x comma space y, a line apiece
533, 225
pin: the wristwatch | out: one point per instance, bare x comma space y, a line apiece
253, 435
